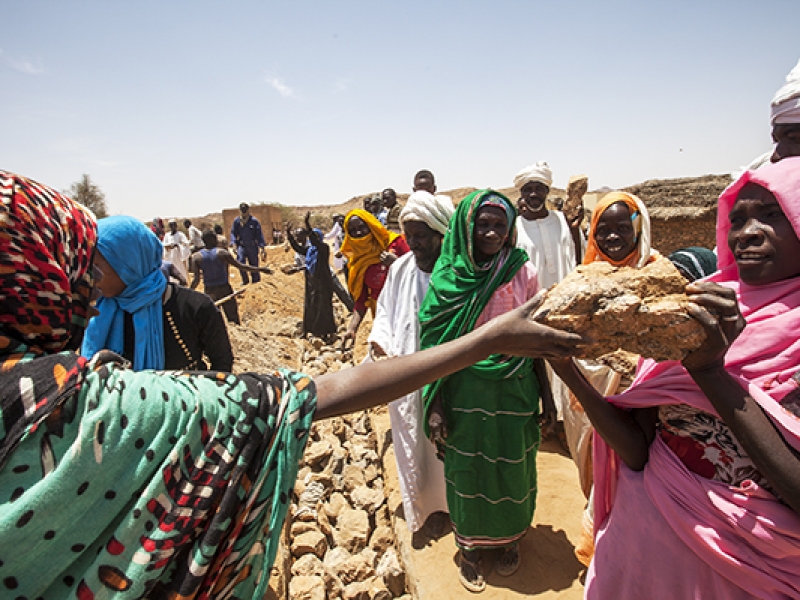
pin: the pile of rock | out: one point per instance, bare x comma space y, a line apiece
340, 543
642, 311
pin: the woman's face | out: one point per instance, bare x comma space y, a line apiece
615, 235
106, 278
761, 238
357, 228
490, 233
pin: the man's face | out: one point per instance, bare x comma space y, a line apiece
424, 242
173, 226
375, 206
389, 198
787, 141
244, 210
532, 198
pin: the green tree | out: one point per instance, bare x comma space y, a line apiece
87, 193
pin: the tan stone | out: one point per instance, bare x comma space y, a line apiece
310, 542
335, 505
367, 498
355, 568
307, 588
392, 572
317, 452
378, 589
352, 477
643, 311
352, 530
300, 527
576, 188
381, 539
358, 590
308, 565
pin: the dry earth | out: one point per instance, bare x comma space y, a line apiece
271, 312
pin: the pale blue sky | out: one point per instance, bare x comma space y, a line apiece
180, 108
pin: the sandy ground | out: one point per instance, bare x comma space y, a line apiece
270, 312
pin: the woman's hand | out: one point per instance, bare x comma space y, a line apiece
387, 258
437, 422
716, 309
516, 334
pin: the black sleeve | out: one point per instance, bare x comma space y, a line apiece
214, 340
295, 246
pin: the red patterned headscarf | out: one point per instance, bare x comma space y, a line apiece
46, 245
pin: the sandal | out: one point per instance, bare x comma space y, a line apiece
508, 562
470, 571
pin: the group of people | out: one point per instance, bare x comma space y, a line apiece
127, 478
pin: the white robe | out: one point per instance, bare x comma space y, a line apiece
550, 248
178, 255
396, 331
549, 245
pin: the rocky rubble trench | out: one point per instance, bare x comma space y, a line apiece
339, 540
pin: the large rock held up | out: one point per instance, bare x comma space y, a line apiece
639, 310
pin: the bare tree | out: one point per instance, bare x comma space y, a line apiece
88, 194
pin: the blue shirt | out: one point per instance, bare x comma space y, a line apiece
247, 235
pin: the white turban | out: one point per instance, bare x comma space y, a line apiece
434, 211
539, 172
786, 103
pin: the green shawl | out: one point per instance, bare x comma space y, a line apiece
460, 288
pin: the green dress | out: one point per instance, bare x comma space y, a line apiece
491, 408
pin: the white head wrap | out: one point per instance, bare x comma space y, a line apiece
539, 172
786, 103
434, 211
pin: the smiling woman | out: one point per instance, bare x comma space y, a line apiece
697, 465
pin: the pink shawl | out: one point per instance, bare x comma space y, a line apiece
743, 533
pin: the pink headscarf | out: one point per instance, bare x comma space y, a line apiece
744, 533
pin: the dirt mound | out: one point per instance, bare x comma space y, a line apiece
700, 192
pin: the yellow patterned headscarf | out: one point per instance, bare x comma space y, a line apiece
366, 251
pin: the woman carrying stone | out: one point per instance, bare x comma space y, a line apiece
697, 464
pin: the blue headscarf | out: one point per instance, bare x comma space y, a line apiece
134, 252
312, 252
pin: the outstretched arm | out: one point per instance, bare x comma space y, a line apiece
227, 258
777, 460
372, 384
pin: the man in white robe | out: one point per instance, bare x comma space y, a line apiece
553, 246
176, 248
395, 332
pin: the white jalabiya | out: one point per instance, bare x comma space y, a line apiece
549, 245
550, 248
396, 331
336, 235
178, 255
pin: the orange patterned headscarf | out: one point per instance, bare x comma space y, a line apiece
640, 219
366, 251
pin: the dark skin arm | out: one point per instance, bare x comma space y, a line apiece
373, 384
577, 237
355, 323
772, 454
629, 433
226, 257
547, 419
293, 241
